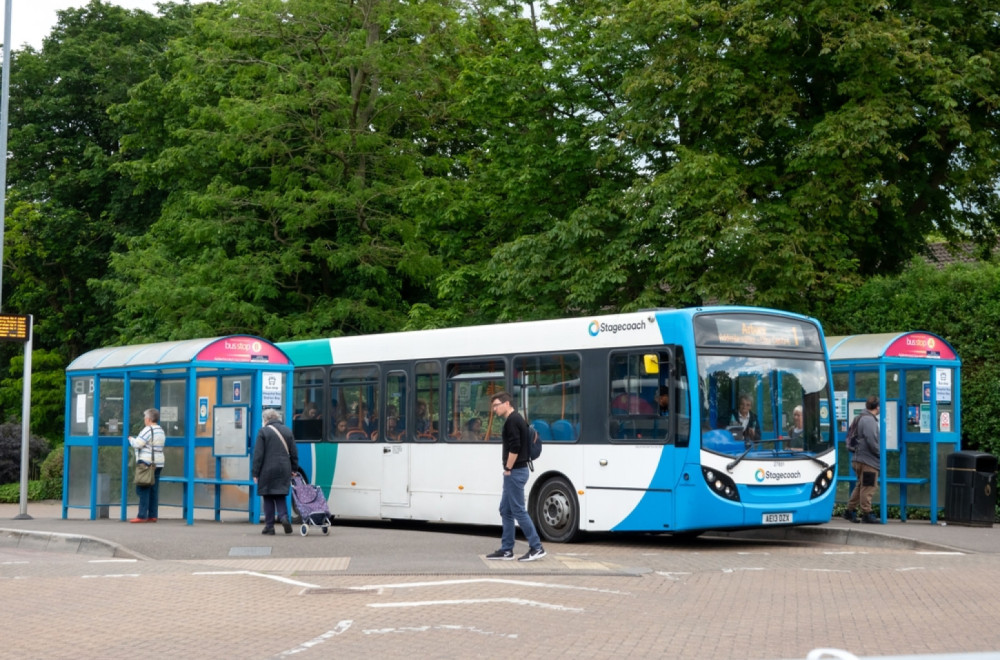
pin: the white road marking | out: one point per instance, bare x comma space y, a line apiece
116, 575
412, 629
827, 570
670, 574
12, 563
743, 568
519, 583
315, 641
942, 552
477, 601
909, 568
277, 578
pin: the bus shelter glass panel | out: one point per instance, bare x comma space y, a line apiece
82, 406
918, 407
173, 404
355, 395
865, 385
239, 389
945, 400
111, 412
142, 396
547, 392
468, 389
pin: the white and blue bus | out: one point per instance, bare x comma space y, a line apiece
639, 414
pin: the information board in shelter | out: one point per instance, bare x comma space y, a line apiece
14, 327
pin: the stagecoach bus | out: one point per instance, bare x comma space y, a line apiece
640, 415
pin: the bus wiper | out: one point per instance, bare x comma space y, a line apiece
750, 447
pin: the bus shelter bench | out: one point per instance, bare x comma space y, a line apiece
211, 482
903, 482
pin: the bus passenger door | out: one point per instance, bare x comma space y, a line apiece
395, 476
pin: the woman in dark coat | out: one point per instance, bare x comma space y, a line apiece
274, 459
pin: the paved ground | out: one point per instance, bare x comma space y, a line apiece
172, 538
79, 588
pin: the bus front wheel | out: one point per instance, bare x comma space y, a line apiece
557, 512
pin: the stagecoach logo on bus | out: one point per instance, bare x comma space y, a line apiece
597, 327
762, 475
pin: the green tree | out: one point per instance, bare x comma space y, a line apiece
68, 206
785, 150
292, 131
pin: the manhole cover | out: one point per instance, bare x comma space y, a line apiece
250, 551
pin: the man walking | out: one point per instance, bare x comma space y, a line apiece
866, 465
515, 437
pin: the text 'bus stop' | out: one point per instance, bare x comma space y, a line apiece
916, 376
210, 394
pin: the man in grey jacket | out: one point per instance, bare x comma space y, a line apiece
866, 465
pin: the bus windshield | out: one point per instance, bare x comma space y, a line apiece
768, 405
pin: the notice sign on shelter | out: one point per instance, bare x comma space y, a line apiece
14, 327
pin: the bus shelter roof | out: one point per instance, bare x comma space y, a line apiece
912, 345
230, 349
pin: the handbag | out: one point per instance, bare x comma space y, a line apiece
145, 474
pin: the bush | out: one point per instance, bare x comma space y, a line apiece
10, 453
46, 489
51, 468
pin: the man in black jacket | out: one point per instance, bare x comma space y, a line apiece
515, 437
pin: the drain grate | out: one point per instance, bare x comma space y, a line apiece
250, 551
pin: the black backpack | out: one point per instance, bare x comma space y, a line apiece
852, 435
534, 443
534, 446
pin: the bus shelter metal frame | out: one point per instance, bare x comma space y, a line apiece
187, 360
885, 353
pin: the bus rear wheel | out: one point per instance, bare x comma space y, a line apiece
556, 511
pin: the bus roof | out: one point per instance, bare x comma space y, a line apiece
630, 329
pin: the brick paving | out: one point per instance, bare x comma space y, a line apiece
610, 597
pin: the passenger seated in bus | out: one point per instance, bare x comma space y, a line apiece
473, 431
392, 431
340, 431
663, 401
631, 404
795, 432
422, 424
746, 419
309, 412
360, 419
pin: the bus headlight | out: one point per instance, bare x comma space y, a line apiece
720, 484
823, 482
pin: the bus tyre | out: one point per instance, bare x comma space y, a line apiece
556, 511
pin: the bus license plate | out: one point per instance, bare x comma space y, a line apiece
776, 518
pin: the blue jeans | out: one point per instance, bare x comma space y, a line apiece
149, 497
512, 508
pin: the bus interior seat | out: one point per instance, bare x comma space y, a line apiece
356, 434
562, 429
543, 428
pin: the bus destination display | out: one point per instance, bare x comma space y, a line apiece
14, 327
756, 331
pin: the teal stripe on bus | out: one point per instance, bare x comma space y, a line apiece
308, 353
324, 465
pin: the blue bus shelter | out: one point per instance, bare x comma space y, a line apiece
210, 394
916, 376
